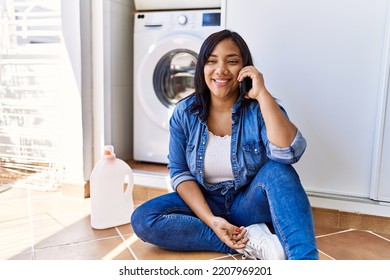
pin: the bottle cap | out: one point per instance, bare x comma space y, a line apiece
109, 151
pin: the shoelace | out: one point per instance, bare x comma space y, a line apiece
248, 255
252, 250
259, 250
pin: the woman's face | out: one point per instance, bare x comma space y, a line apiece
222, 68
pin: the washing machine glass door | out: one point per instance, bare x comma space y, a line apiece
173, 77
165, 75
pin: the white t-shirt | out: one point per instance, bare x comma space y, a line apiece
217, 163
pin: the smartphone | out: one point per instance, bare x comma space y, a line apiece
245, 86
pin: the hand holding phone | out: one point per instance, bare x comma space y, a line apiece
245, 86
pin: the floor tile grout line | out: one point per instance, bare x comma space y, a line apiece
124, 240
322, 252
30, 215
334, 233
70, 244
378, 235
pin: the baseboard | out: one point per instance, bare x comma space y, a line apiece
349, 204
347, 220
151, 179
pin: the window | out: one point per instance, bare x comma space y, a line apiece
32, 95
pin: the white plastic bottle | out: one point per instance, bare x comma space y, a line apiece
111, 187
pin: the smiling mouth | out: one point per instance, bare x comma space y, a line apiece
221, 82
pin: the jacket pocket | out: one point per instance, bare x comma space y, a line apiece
254, 154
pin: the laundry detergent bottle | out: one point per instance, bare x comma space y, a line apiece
111, 188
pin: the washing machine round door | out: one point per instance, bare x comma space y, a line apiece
173, 77
166, 75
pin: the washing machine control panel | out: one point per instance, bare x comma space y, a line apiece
177, 20
211, 19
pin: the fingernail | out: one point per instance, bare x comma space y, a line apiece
238, 230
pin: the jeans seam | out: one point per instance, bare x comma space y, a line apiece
178, 210
276, 223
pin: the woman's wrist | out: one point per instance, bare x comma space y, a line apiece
262, 93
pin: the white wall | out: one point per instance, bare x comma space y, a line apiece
121, 53
71, 121
381, 175
107, 28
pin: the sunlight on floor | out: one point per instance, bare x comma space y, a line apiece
126, 245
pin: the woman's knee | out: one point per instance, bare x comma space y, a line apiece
139, 220
145, 215
273, 169
277, 175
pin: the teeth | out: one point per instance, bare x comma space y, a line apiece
221, 81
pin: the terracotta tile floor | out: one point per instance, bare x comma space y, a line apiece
52, 226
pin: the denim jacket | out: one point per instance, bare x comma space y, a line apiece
250, 148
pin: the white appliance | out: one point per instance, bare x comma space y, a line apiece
328, 62
166, 45
175, 4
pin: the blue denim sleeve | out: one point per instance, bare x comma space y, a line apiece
178, 167
290, 154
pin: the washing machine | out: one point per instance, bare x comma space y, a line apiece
166, 46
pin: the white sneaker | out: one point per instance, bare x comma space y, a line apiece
262, 244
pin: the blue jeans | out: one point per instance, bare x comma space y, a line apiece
275, 196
